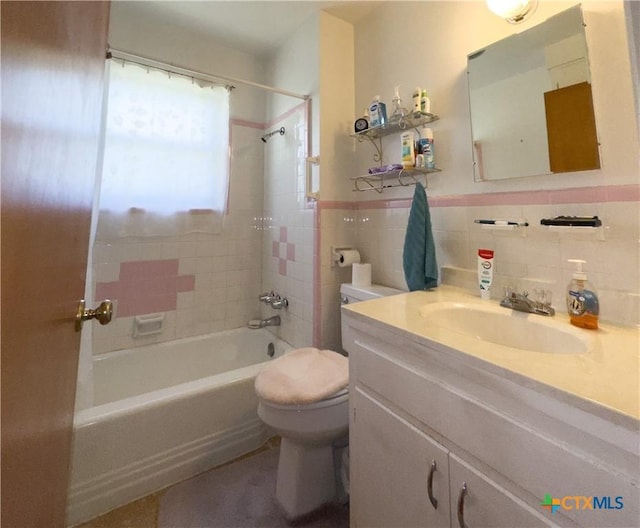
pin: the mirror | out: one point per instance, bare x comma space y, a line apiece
531, 104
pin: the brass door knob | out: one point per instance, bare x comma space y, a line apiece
102, 313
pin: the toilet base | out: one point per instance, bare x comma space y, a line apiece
306, 477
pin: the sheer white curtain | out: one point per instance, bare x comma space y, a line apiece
166, 154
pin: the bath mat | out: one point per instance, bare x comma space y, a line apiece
238, 495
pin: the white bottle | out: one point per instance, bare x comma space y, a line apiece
416, 100
425, 103
428, 149
407, 140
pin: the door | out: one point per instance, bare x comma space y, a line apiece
52, 66
393, 481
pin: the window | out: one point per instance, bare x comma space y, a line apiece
166, 153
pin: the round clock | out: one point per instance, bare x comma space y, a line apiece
361, 124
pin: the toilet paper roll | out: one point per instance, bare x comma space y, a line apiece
347, 257
361, 275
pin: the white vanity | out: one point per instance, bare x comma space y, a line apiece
455, 424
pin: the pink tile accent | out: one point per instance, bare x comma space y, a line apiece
247, 124
283, 234
146, 287
601, 194
623, 193
282, 266
275, 248
186, 283
291, 251
286, 114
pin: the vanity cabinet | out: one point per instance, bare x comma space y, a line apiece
402, 478
414, 403
399, 475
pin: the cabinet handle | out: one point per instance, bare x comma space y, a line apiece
432, 499
461, 496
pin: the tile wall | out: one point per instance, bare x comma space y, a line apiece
288, 229
203, 283
539, 258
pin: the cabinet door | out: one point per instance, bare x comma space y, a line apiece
391, 462
485, 503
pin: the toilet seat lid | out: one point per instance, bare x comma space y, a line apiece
302, 376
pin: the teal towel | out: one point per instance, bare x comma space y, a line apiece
419, 255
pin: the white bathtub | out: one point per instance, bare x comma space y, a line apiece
163, 413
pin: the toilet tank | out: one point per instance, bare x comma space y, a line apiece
350, 293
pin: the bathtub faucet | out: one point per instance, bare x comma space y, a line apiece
270, 321
261, 323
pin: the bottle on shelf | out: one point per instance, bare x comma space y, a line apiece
377, 113
398, 111
407, 140
416, 100
425, 103
427, 148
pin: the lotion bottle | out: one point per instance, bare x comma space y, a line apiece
407, 140
425, 103
582, 301
416, 100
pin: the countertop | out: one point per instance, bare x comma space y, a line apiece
608, 375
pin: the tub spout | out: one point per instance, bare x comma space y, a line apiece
261, 323
270, 321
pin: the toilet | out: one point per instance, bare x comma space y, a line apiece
304, 397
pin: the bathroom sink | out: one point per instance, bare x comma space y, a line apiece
508, 328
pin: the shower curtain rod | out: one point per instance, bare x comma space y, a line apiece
145, 61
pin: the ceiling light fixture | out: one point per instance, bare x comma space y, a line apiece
513, 11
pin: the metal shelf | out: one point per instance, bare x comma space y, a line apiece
385, 180
376, 134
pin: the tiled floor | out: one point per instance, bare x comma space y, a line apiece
237, 495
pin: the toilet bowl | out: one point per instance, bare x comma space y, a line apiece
303, 397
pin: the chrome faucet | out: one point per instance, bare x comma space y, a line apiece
270, 321
522, 303
274, 300
269, 297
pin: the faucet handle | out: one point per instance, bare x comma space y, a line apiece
267, 297
280, 303
542, 296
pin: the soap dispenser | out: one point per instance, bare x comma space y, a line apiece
582, 301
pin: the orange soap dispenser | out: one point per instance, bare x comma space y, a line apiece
582, 301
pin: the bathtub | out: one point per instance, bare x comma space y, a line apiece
163, 413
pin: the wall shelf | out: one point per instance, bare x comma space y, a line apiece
395, 178
375, 134
578, 231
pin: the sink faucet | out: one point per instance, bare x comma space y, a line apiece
522, 303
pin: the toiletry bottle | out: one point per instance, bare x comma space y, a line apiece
407, 140
378, 113
582, 301
485, 272
425, 103
416, 100
428, 149
398, 111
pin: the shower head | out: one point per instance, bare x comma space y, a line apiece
273, 133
